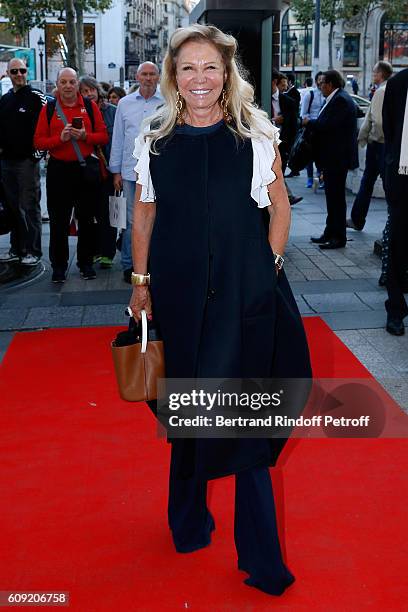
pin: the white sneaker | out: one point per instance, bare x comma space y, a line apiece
29, 260
9, 256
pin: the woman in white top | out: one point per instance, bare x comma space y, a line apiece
208, 171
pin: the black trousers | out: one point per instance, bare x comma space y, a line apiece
284, 151
374, 167
335, 190
21, 182
104, 234
396, 189
255, 529
67, 191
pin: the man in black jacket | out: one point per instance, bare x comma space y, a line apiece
284, 116
395, 126
335, 152
19, 111
293, 91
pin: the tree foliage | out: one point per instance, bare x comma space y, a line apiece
24, 15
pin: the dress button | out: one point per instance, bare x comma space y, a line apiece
211, 293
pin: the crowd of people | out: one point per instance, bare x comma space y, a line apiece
329, 115
86, 133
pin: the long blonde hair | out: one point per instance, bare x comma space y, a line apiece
248, 120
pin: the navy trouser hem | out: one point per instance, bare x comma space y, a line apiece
271, 586
202, 542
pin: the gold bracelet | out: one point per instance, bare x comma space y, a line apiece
140, 280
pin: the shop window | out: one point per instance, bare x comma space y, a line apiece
56, 49
9, 39
394, 42
351, 50
303, 55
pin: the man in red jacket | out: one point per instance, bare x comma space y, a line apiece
70, 182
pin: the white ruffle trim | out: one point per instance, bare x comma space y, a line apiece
262, 174
142, 169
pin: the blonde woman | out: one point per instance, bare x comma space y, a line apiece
208, 170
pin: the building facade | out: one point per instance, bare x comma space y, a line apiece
149, 25
353, 54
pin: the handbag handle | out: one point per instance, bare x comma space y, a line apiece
144, 327
144, 331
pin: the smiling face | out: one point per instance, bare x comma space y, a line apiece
200, 75
17, 71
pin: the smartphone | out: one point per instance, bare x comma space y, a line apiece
77, 123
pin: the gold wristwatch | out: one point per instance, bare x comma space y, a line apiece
140, 280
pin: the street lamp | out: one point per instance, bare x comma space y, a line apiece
154, 38
294, 50
41, 45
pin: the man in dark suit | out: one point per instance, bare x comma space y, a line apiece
395, 126
294, 94
284, 116
335, 151
293, 91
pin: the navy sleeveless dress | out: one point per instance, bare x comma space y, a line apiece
227, 314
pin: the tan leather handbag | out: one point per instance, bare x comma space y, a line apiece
139, 361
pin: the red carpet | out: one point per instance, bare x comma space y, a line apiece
84, 486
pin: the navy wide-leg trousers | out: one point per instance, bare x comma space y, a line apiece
255, 528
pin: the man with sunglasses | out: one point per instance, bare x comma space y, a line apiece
20, 173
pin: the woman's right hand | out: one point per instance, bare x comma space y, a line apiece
141, 300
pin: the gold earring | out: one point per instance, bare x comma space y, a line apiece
224, 106
179, 108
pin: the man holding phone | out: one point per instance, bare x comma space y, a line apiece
69, 128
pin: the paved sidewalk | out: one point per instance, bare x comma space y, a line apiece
341, 286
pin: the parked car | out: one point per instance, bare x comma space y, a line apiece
362, 105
